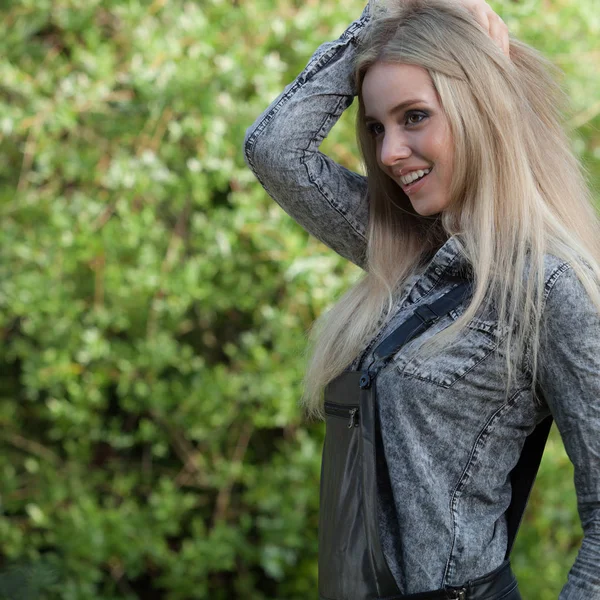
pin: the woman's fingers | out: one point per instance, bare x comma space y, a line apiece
480, 12
499, 33
490, 22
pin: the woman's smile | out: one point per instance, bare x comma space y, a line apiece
414, 181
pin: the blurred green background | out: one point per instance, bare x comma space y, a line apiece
154, 301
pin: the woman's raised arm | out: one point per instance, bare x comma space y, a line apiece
282, 149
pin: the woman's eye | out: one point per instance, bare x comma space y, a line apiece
413, 118
373, 129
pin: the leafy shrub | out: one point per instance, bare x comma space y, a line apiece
155, 301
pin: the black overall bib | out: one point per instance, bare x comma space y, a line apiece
352, 565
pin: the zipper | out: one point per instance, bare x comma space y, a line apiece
344, 411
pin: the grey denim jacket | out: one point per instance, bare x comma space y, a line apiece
449, 438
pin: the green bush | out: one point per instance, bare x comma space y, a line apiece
154, 301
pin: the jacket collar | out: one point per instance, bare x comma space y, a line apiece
448, 263
450, 260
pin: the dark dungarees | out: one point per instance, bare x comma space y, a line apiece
352, 565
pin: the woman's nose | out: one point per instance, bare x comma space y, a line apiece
393, 149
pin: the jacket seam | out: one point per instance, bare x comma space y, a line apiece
477, 447
489, 351
562, 268
439, 383
307, 156
316, 64
312, 67
548, 287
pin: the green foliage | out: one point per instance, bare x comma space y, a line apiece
154, 301
25, 582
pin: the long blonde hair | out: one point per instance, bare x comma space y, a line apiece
518, 191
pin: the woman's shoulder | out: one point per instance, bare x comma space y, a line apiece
571, 288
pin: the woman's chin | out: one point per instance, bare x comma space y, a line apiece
428, 206
424, 210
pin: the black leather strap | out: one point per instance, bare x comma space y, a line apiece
423, 317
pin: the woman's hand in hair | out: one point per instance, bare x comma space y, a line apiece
490, 21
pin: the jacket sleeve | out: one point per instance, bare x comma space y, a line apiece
569, 359
282, 149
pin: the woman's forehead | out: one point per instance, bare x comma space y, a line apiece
386, 86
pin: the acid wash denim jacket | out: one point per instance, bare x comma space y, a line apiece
449, 438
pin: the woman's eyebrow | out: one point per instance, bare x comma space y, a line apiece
397, 108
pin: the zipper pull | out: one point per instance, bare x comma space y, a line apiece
353, 422
458, 593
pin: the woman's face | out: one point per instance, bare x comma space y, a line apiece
411, 133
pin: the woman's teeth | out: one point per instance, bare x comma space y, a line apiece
406, 179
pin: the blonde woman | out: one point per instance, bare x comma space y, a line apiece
470, 178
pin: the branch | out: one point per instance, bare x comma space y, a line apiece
29, 446
224, 497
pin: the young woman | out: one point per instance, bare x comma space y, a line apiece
470, 176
